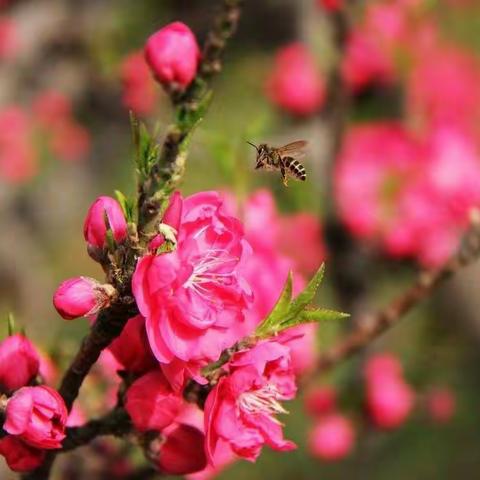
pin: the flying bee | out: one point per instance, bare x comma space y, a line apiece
283, 159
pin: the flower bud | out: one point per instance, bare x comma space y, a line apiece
182, 450
151, 403
19, 362
173, 55
330, 5
37, 416
382, 365
104, 210
81, 296
19, 456
332, 438
132, 349
441, 405
295, 84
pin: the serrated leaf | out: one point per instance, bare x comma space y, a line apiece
313, 316
280, 310
308, 294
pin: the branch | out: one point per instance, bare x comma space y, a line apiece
116, 422
372, 326
190, 107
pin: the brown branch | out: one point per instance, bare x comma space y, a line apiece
373, 325
117, 423
170, 166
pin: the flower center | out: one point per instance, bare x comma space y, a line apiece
264, 400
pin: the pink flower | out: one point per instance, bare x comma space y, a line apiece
365, 63
139, 94
131, 348
8, 38
390, 399
441, 404
95, 229
70, 141
194, 297
51, 108
181, 450
19, 456
332, 438
37, 415
18, 160
320, 401
296, 85
81, 296
19, 362
330, 5
240, 410
151, 403
173, 55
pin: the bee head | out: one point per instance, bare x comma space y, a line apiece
260, 154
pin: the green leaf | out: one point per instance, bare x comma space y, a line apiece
127, 204
10, 324
313, 316
280, 310
308, 294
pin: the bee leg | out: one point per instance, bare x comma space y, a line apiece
284, 176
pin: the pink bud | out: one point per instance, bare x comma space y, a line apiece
151, 403
19, 456
173, 55
19, 362
37, 415
320, 401
132, 349
173, 213
332, 438
330, 5
441, 405
389, 401
95, 228
70, 141
81, 296
51, 108
182, 450
296, 85
382, 365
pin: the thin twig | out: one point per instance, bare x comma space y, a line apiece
373, 325
170, 166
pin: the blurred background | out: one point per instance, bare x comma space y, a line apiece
388, 96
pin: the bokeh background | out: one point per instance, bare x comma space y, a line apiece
70, 71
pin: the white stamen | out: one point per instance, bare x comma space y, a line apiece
264, 400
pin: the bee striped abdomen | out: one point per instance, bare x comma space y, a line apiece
295, 168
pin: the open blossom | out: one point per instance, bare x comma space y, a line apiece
151, 403
81, 296
37, 416
194, 297
240, 411
295, 84
19, 456
173, 55
332, 438
19, 362
139, 94
95, 229
390, 399
131, 348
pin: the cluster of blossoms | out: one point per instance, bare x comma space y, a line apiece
35, 416
389, 401
47, 125
200, 292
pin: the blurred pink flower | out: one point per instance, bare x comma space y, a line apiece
173, 55
332, 438
19, 362
320, 401
441, 404
70, 141
9, 41
139, 93
331, 5
240, 410
296, 84
151, 403
50, 108
37, 416
194, 297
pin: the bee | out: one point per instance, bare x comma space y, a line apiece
283, 159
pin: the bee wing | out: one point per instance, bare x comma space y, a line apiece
294, 149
